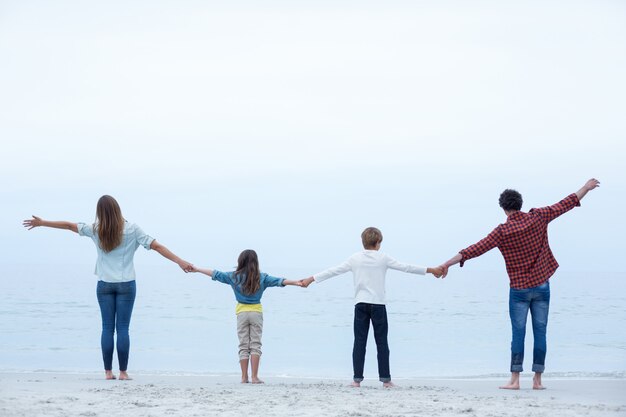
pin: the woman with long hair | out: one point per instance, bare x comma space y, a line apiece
116, 241
248, 284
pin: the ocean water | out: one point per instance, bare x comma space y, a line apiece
185, 323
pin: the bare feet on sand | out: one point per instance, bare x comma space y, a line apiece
355, 384
124, 376
245, 380
256, 380
388, 384
109, 375
513, 383
537, 382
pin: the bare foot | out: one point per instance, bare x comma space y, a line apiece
124, 376
245, 380
257, 381
513, 382
537, 383
388, 384
109, 375
355, 384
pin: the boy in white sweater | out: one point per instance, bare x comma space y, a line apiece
369, 268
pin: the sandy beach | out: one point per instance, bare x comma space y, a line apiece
64, 394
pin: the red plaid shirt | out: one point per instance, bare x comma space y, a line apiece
523, 241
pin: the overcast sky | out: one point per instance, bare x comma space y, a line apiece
288, 128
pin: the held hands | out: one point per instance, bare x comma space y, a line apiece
186, 266
32, 223
439, 272
304, 283
444, 268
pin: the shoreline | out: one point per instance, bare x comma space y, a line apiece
574, 375
42, 393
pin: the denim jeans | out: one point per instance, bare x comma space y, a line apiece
116, 301
537, 300
377, 314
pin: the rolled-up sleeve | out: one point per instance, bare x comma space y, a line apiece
224, 277
480, 247
271, 281
142, 238
552, 212
85, 229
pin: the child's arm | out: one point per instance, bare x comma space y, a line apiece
331, 272
291, 282
205, 271
413, 269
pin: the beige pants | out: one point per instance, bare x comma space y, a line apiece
249, 331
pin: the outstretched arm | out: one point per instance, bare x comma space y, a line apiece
166, 253
205, 271
38, 222
472, 251
589, 185
292, 282
329, 273
550, 213
413, 269
333, 272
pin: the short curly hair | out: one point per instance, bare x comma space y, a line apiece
510, 200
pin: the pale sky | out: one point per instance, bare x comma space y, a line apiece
290, 127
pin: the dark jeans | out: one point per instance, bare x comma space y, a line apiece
537, 300
377, 314
116, 301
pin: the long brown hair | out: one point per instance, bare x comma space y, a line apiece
247, 274
109, 223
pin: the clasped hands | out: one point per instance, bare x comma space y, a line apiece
187, 266
440, 272
305, 282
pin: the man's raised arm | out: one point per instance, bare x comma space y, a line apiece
589, 185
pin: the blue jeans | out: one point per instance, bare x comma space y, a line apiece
537, 300
116, 301
377, 314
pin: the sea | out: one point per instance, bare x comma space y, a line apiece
185, 324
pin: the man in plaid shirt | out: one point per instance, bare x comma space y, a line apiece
523, 242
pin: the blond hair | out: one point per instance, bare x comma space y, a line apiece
371, 237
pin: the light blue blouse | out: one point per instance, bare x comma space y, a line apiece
117, 265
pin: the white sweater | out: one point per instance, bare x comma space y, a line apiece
369, 268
